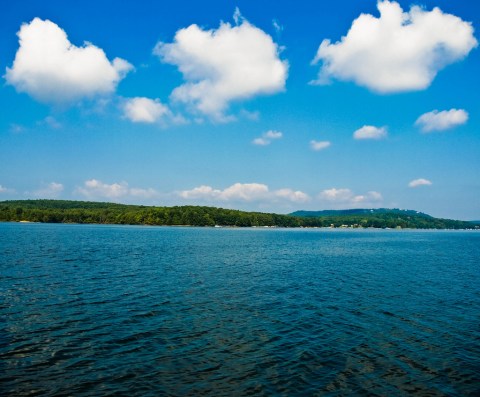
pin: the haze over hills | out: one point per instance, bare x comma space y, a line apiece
83, 212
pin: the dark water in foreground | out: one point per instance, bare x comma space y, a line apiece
112, 310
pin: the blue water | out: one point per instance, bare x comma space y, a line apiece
155, 311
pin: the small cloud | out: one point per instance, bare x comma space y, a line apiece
276, 25
267, 138
51, 190
419, 182
17, 128
223, 65
252, 116
144, 110
370, 132
51, 122
244, 192
440, 121
6, 190
319, 145
398, 51
341, 198
49, 68
261, 142
94, 188
237, 16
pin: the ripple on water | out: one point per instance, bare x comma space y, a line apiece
96, 310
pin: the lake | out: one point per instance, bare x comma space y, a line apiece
90, 310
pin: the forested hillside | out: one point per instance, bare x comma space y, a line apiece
61, 211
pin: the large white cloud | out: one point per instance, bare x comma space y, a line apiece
370, 132
144, 110
51, 69
439, 121
243, 192
399, 51
341, 198
94, 189
222, 65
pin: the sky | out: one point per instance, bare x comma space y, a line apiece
271, 106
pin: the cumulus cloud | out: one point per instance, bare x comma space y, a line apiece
267, 138
370, 132
223, 65
345, 197
50, 190
51, 69
399, 51
144, 110
243, 192
319, 145
419, 182
440, 121
94, 188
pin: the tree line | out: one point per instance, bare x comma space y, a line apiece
62, 211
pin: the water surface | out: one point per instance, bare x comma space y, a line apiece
90, 310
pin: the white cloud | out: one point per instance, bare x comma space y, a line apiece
276, 25
273, 134
261, 142
17, 128
370, 132
399, 51
267, 138
246, 192
223, 65
51, 69
50, 190
439, 121
419, 182
345, 197
94, 188
144, 110
51, 122
6, 190
319, 145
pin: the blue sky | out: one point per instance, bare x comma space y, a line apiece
269, 106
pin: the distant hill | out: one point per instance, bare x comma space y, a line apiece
64, 211
359, 211
384, 218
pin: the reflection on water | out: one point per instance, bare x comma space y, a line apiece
111, 310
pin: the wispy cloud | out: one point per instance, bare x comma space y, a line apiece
319, 145
267, 138
95, 189
346, 198
419, 182
49, 191
440, 121
399, 51
6, 190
